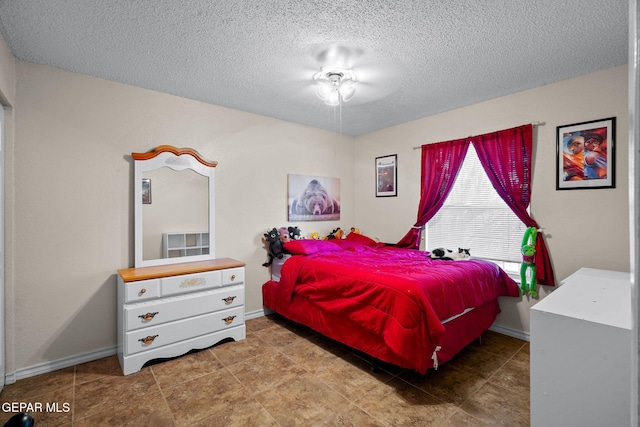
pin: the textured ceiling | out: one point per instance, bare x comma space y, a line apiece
413, 58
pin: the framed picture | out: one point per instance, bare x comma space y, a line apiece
387, 176
313, 198
585, 155
146, 191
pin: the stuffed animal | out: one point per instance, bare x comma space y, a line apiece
337, 233
295, 233
528, 262
314, 236
355, 230
284, 235
274, 249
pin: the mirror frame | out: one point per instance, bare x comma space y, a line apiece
177, 159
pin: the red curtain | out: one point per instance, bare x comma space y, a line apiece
441, 163
506, 158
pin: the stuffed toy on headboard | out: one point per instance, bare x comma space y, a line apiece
274, 246
284, 235
337, 233
295, 233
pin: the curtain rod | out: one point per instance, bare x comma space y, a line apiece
471, 136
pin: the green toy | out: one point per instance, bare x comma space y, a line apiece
528, 261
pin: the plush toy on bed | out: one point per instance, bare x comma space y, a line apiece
285, 237
448, 254
314, 236
355, 230
274, 249
295, 233
337, 233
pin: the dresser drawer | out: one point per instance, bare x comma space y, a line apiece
165, 310
142, 290
169, 333
232, 276
190, 282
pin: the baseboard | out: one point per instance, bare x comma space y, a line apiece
257, 313
521, 335
46, 367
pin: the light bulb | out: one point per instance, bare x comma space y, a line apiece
346, 91
324, 90
333, 99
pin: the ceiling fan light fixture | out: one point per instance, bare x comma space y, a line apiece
335, 85
324, 91
346, 91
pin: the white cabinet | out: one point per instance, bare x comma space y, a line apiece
177, 245
165, 311
581, 352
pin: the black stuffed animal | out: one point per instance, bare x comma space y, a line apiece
275, 250
295, 233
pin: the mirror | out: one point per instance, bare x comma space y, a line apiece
174, 206
163, 212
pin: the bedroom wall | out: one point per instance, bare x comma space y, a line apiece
583, 228
73, 196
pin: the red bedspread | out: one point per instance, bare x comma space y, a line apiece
398, 294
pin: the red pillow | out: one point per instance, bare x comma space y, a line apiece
309, 246
350, 245
359, 238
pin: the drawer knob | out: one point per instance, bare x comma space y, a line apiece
228, 300
143, 290
228, 319
148, 316
148, 340
233, 277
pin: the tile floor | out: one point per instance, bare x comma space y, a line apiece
286, 375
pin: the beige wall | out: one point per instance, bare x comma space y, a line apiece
583, 228
74, 213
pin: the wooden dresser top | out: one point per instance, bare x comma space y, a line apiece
156, 272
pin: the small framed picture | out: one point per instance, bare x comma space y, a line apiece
146, 191
387, 176
585, 155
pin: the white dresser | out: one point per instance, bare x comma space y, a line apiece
165, 311
581, 352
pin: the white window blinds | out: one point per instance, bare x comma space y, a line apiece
475, 217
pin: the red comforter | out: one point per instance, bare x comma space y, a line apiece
399, 294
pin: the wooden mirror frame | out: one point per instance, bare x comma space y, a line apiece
177, 159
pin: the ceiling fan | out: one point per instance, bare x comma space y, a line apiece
345, 71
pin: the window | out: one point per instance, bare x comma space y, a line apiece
475, 217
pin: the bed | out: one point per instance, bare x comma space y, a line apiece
396, 305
